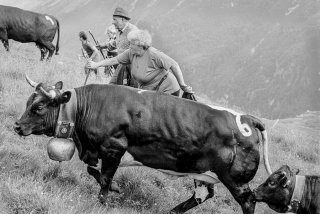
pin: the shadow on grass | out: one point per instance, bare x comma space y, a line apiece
57, 178
52, 173
136, 193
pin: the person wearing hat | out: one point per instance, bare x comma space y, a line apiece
121, 22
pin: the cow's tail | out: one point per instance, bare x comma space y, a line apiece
261, 127
57, 45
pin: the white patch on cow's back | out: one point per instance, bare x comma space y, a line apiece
243, 127
141, 90
225, 109
49, 19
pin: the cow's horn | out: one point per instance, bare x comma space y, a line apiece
52, 94
32, 83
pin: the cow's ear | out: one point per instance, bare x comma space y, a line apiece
65, 97
58, 85
295, 171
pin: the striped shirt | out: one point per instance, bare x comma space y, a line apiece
122, 43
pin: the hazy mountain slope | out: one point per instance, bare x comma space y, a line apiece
26, 4
262, 56
308, 122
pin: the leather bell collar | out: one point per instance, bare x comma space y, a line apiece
67, 117
297, 194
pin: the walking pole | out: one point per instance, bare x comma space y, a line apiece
97, 43
85, 82
89, 71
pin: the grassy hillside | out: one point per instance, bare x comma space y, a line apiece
31, 183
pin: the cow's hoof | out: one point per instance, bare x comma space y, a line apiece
102, 199
114, 187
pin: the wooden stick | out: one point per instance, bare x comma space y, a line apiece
97, 43
89, 71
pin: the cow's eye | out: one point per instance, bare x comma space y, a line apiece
271, 183
37, 108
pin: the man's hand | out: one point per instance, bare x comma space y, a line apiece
92, 65
98, 46
102, 46
187, 88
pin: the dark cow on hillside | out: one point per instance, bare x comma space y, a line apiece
173, 135
26, 26
285, 191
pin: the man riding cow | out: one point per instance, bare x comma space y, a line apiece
27, 26
173, 135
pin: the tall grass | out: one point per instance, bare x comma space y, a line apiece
31, 183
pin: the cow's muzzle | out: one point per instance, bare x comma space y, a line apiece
17, 128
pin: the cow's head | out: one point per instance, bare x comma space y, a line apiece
42, 109
277, 190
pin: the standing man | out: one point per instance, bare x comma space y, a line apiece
121, 22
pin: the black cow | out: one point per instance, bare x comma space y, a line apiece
26, 26
174, 135
285, 191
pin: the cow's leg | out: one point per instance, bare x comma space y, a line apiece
242, 194
96, 174
6, 44
111, 153
4, 38
43, 51
50, 47
203, 191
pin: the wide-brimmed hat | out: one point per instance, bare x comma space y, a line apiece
119, 11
